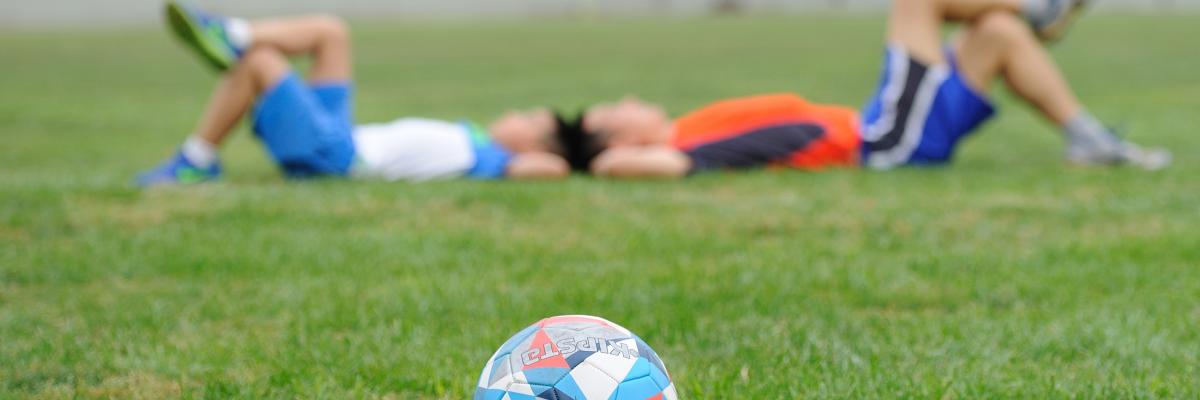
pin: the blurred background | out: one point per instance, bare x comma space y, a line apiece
52, 13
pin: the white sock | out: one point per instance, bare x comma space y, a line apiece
239, 33
1085, 127
199, 152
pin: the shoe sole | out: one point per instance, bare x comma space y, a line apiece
191, 34
1055, 31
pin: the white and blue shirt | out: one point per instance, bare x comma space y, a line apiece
417, 149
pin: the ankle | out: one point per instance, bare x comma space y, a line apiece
240, 34
200, 152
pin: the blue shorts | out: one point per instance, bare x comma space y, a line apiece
308, 129
920, 113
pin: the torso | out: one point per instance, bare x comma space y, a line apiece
780, 130
418, 149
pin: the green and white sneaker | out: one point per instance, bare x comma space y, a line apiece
206, 34
176, 171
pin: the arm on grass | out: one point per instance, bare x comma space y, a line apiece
655, 162
537, 166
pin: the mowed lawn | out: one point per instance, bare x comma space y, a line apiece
1009, 275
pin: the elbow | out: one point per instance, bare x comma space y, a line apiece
538, 166
632, 163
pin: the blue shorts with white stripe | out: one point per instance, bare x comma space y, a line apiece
920, 113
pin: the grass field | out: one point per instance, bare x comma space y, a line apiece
1009, 275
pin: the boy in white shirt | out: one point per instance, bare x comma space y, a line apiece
308, 127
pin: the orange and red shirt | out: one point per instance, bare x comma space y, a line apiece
777, 130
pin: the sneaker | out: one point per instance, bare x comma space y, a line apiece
1147, 159
205, 34
178, 171
1095, 153
1054, 26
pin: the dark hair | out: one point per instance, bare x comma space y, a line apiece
579, 147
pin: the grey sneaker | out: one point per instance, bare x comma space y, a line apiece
1055, 25
1097, 153
1148, 159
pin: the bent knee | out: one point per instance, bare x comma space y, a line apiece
914, 4
331, 26
263, 65
1001, 24
263, 57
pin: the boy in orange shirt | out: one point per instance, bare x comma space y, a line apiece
931, 96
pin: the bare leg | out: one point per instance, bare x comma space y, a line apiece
917, 24
259, 70
262, 64
325, 38
1001, 44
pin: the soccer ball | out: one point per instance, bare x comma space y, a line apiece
575, 358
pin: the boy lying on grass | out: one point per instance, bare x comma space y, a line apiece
307, 125
931, 96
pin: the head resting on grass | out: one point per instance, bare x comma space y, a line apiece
577, 145
526, 131
580, 139
542, 130
628, 122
